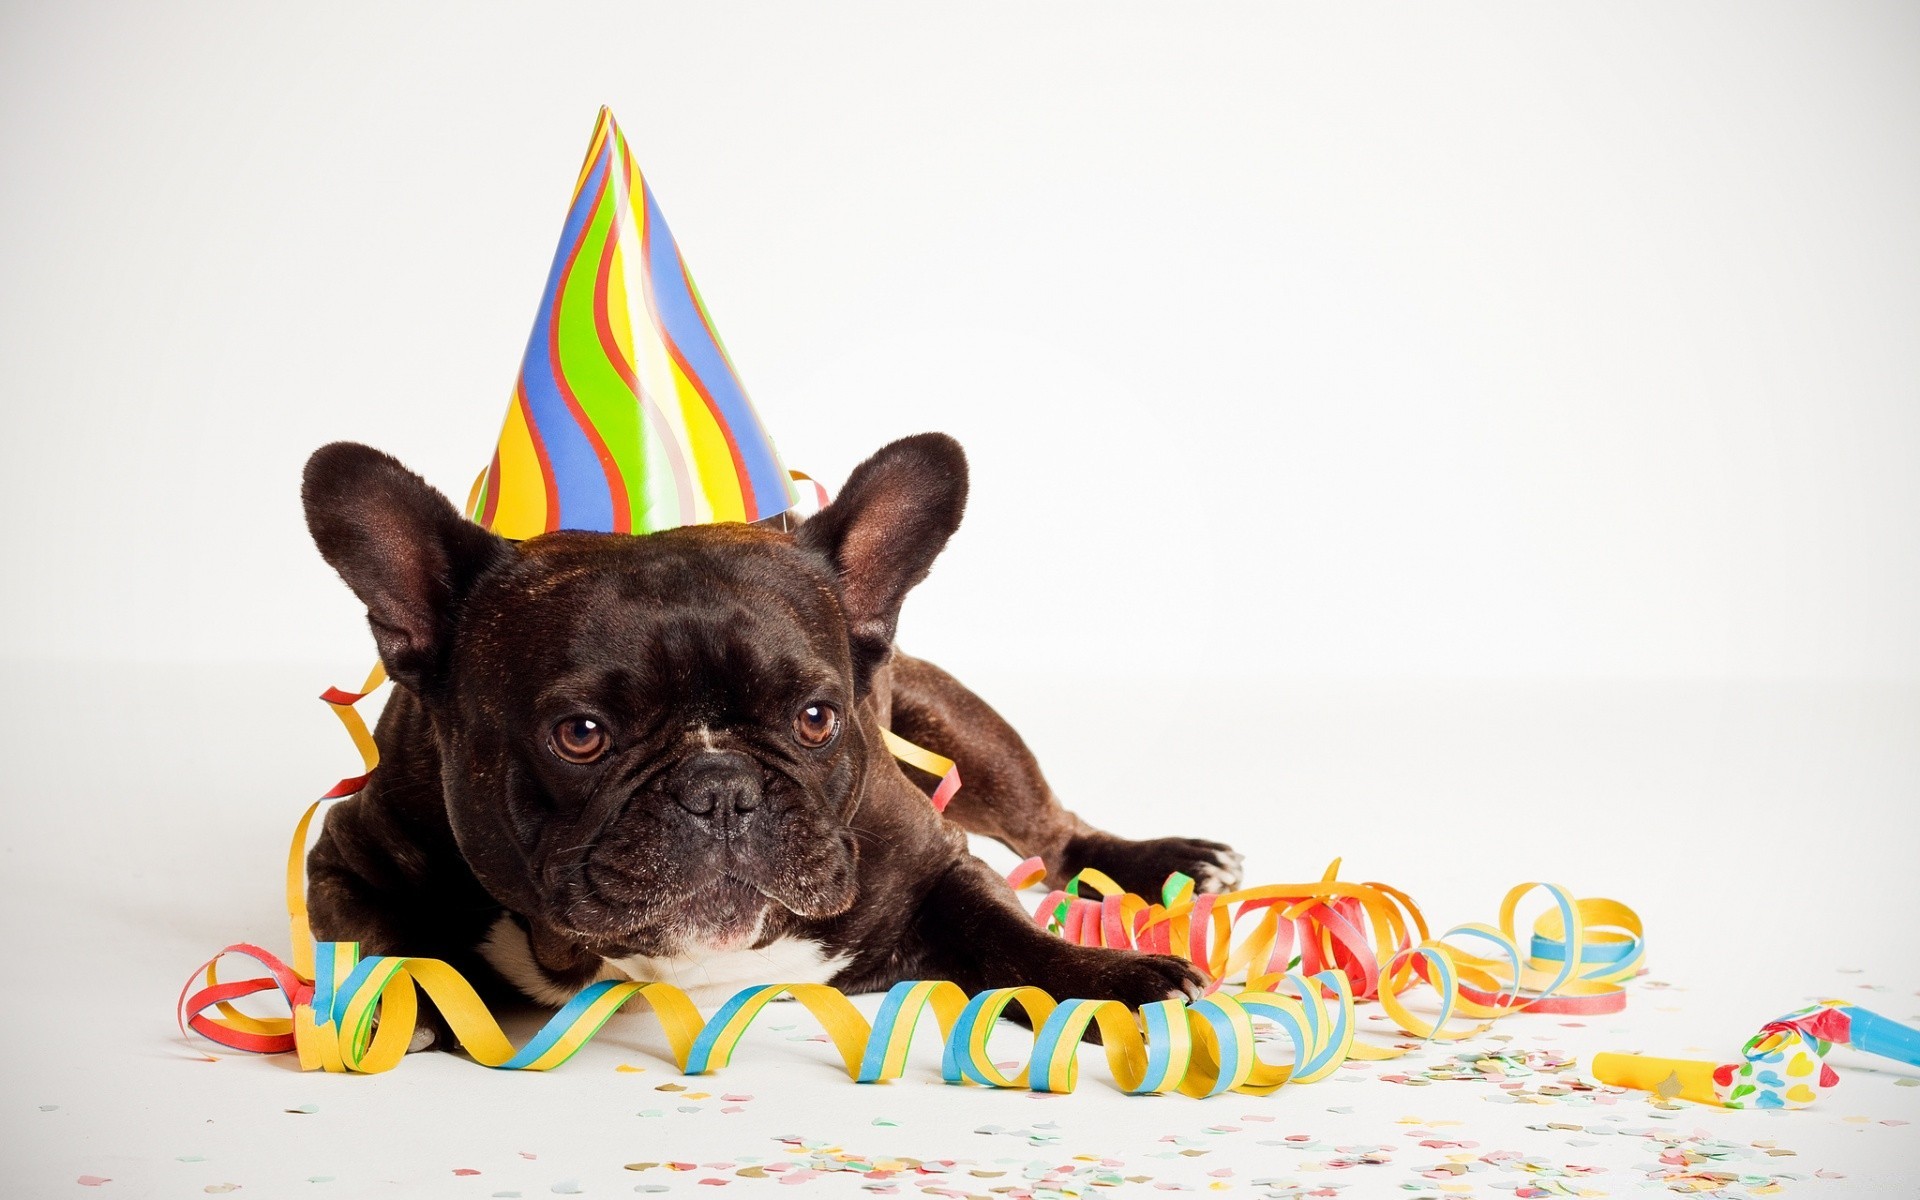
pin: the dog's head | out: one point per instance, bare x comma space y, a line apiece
645, 742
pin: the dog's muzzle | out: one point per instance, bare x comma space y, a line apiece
718, 786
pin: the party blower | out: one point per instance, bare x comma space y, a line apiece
1782, 1066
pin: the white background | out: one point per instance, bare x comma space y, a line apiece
1480, 442
1495, 342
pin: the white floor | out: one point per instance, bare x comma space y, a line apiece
1765, 832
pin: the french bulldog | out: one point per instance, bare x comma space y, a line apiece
659, 757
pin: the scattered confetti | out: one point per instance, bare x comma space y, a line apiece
1484, 1066
1698, 1163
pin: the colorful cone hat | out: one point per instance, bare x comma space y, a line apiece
628, 416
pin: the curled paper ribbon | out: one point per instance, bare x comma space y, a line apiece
1201, 1049
926, 760
1309, 954
1782, 1066
820, 497
1580, 952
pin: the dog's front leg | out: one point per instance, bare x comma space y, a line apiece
970, 929
358, 892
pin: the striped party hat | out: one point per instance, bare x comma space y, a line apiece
628, 416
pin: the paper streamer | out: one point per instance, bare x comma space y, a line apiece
1580, 951
1782, 1066
1308, 953
928, 761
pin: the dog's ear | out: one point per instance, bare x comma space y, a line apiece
406, 552
883, 532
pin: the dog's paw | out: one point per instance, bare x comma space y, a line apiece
1217, 867
1142, 867
1128, 976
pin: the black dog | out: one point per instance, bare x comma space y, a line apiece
659, 757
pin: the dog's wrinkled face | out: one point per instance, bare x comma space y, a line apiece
661, 729
648, 745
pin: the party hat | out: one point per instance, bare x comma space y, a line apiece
628, 416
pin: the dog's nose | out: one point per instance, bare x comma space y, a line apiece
717, 781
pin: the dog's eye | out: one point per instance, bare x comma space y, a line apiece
815, 725
578, 739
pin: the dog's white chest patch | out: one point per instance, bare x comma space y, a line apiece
708, 977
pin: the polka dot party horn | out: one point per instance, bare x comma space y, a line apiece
1782, 1066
